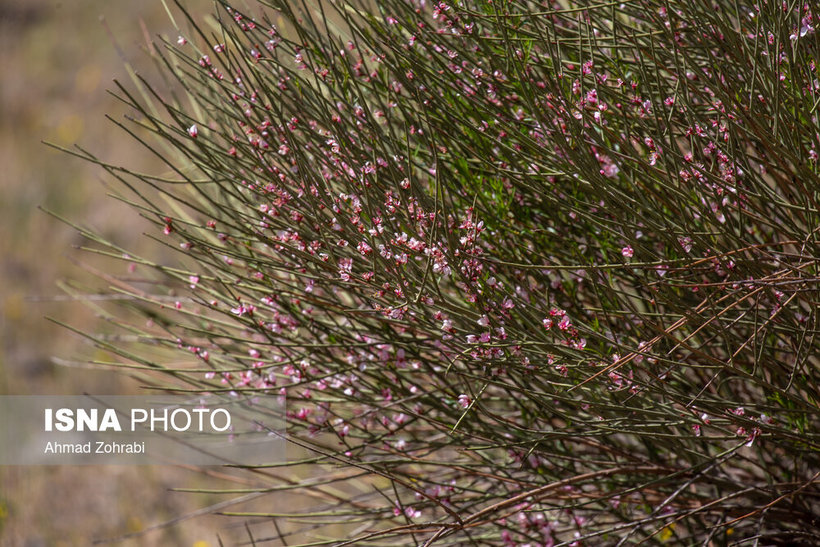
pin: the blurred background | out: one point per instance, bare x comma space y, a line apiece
59, 59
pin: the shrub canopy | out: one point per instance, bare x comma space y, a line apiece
524, 272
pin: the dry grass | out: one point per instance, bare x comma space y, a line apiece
59, 60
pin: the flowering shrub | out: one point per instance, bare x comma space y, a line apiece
530, 272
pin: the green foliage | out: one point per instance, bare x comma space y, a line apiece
545, 272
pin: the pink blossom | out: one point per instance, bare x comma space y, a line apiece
565, 323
